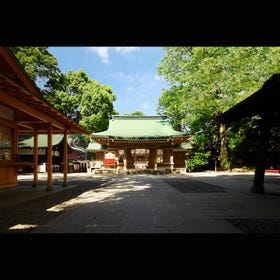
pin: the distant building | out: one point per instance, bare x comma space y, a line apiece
140, 143
75, 154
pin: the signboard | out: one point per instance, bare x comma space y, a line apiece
109, 158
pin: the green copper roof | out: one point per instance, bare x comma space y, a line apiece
143, 127
28, 142
42, 141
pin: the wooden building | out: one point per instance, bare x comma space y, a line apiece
140, 143
265, 104
76, 155
23, 110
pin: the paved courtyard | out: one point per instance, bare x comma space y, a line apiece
204, 202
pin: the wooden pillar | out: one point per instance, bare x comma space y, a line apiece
261, 155
153, 158
128, 159
35, 159
49, 158
125, 159
65, 159
171, 161
14, 152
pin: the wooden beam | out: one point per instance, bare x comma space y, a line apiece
8, 100
65, 159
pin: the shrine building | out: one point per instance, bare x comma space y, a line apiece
25, 111
140, 143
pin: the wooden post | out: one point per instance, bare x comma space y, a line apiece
65, 159
153, 158
35, 158
49, 158
261, 155
171, 161
125, 159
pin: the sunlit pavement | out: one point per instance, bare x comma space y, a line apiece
147, 204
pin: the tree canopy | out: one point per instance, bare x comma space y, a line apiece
80, 98
136, 113
206, 81
39, 64
84, 100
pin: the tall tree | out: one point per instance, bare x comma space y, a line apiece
39, 64
97, 106
84, 100
65, 90
74, 93
206, 81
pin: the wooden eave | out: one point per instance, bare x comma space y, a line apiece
172, 140
264, 102
31, 110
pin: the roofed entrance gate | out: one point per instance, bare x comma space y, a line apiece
141, 143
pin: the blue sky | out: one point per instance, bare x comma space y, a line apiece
131, 72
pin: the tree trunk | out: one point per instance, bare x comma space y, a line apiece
223, 149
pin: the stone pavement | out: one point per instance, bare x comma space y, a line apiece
148, 204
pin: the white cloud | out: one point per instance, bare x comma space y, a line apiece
102, 52
126, 50
134, 78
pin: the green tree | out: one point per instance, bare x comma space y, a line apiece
136, 113
65, 90
96, 106
74, 94
82, 99
39, 64
206, 81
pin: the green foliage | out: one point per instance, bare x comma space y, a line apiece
136, 113
225, 162
74, 93
82, 99
39, 64
197, 160
242, 143
80, 140
206, 81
